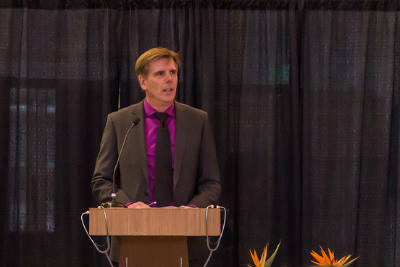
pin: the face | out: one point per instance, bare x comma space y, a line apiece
160, 84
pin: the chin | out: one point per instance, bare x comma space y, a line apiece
169, 98
166, 100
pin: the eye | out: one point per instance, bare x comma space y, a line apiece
173, 72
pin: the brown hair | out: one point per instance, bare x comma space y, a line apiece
142, 65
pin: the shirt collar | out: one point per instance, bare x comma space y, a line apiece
149, 110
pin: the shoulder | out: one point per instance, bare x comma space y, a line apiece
189, 110
127, 112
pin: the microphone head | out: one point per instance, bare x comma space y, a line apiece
136, 120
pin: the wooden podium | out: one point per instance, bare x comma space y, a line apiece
154, 236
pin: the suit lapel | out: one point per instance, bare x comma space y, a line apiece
180, 139
140, 140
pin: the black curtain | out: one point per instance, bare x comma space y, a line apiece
303, 98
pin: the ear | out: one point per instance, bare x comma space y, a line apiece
142, 82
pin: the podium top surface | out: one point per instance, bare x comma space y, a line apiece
168, 221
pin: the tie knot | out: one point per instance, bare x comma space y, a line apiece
161, 116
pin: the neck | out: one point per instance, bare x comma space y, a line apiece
160, 107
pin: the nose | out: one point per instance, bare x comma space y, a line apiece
168, 77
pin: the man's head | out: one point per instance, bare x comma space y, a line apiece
142, 65
157, 72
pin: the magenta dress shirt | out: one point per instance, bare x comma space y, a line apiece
150, 126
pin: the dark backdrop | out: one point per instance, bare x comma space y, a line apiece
303, 98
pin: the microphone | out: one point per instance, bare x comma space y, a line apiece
113, 203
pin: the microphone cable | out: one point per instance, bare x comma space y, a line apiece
105, 252
220, 236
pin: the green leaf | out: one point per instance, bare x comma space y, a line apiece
268, 263
348, 263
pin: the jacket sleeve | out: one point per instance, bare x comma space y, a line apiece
208, 185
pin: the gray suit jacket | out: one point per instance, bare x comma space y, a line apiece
196, 175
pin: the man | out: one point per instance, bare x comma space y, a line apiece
194, 174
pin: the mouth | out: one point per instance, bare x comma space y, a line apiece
168, 90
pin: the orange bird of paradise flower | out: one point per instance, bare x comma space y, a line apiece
263, 262
325, 260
